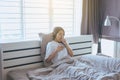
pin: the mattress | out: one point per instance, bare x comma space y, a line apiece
18, 74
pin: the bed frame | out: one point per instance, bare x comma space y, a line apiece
26, 54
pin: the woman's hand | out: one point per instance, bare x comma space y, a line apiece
59, 48
64, 42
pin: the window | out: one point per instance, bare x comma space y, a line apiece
20, 19
10, 19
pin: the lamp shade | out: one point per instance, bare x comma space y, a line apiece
107, 21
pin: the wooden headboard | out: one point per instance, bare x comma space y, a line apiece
26, 54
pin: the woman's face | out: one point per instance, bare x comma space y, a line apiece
59, 36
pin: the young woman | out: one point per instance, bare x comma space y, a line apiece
58, 48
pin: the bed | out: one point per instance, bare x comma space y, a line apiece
23, 61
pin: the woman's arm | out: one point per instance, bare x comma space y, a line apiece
53, 54
70, 52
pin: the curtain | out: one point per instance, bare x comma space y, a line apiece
90, 19
111, 8
93, 17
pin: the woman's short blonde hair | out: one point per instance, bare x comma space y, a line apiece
56, 30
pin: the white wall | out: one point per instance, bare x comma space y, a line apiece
107, 46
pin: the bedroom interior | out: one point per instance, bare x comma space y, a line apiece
30, 56
96, 29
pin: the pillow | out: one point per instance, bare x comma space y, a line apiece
45, 38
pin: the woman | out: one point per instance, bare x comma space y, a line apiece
58, 48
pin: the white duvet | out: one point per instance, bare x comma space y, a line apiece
86, 67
